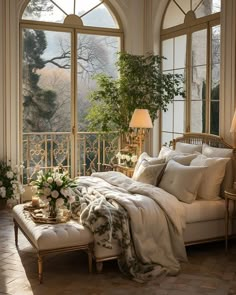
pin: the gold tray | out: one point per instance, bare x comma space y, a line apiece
47, 219
29, 207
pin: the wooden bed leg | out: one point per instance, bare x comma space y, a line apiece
40, 268
99, 266
16, 232
90, 261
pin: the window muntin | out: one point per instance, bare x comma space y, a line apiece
92, 13
68, 80
201, 54
178, 9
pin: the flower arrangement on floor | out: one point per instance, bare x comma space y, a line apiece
127, 159
10, 186
55, 188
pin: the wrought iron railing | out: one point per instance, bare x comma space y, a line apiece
94, 151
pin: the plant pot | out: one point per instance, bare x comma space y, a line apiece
3, 204
52, 210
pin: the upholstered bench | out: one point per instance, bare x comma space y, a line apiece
52, 238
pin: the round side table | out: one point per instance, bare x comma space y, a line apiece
229, 194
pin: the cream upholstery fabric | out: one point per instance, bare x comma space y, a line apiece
209, 188
52, 236
182, 181
188, 148
151, 160
211, 152
149, 173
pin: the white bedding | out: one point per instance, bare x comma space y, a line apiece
157, 218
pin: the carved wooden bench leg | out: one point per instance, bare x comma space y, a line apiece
40, 268
99, 266
16, 232
90, 257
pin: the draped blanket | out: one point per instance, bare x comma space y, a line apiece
146, 221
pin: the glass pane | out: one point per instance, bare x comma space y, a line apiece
167, 52
96, 54
195, 3
67, 6
43, 10
215, 47
184, 4
208, 7
180, 52
183, 73
99, 17
197, 116
215, 81
167, 119
84, 6
179, 116
166, 138
199, 47
198, 91
173, 17
214, 129
46, 81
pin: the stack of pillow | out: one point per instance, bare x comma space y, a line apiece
188, 172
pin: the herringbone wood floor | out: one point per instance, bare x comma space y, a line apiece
209, 271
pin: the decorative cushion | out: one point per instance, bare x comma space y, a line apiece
188, 148
184, 159
151, 160
182, 181
166, 153
211, 152
209, 188
149, 173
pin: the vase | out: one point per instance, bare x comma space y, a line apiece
3, 204
52, 210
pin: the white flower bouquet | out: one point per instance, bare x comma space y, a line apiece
10, 186
127, 159
54, 187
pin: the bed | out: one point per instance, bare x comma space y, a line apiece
186, 182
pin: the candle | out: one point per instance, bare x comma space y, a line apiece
35, 201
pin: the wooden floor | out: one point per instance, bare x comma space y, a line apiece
209, 271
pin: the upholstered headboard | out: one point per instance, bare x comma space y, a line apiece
200, 138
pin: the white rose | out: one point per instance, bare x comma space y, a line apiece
54, 194
127, 158
118, 155
59, 182
47, 191
50, 180
10, 174
134, 158
123, 157
59, 202
64, 192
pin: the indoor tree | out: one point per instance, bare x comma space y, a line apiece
141, 85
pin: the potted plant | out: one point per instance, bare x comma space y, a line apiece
10, 186
141, 85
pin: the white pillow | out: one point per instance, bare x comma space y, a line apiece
149, 173
145, 156
182, 181
211, 152
188, 148
184, 159
209, 188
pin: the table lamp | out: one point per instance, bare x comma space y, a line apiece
141, 120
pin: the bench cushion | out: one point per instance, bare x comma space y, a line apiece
52, 236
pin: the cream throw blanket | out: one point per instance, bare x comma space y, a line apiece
157, 218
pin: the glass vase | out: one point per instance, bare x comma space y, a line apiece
52, 210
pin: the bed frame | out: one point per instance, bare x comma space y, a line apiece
200, 138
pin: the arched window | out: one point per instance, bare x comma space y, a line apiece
191, 43
63, 45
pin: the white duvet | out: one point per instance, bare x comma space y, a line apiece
157, 218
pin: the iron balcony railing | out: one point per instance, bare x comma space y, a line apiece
94, 151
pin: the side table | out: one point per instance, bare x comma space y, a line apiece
128, 171
229, 194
